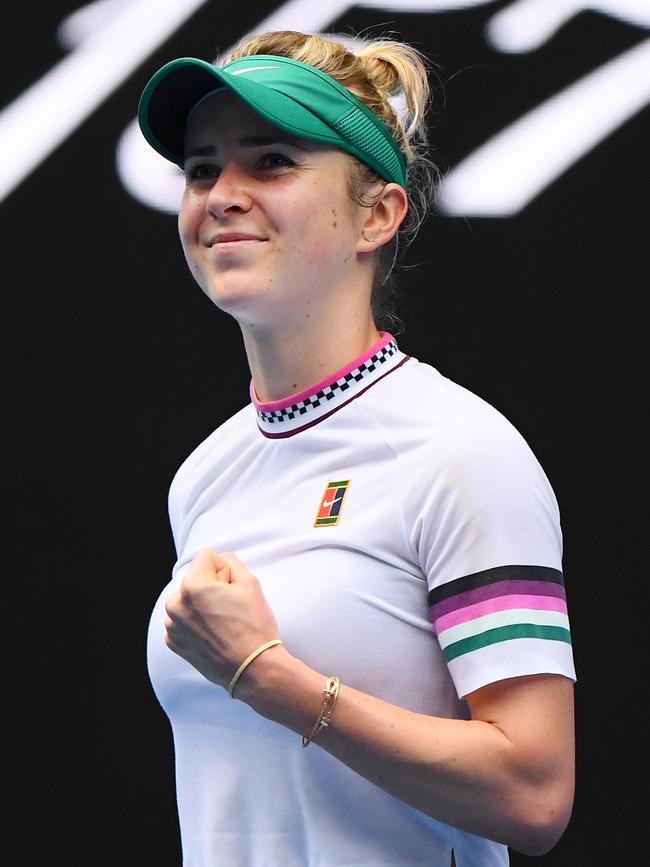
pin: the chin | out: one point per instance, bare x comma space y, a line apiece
250, 307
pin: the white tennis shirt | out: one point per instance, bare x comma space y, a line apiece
407, 540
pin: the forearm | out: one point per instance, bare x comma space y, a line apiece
466, 773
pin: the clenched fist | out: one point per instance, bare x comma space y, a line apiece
218, 616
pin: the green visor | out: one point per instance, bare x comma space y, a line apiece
291, 95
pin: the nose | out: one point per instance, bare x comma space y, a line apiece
229, 192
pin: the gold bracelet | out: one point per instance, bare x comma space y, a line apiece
248, 660
330, 695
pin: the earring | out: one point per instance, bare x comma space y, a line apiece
366, 238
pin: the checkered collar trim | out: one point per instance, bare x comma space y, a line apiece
290, 415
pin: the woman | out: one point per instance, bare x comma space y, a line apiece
369, 556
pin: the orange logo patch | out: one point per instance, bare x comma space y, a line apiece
329, 511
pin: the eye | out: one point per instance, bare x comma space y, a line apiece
275, 161
201, 171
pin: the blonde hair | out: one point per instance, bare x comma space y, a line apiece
391, 79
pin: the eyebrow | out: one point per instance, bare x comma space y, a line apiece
249, 141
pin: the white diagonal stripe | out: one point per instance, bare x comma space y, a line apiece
252, 69
502, 618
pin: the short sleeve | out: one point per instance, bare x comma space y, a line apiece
488, 540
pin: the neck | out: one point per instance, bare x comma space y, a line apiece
283, 364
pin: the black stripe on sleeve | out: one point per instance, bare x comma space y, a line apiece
491, 576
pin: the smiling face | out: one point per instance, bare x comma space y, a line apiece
267, 224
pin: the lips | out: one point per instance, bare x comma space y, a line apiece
233, 237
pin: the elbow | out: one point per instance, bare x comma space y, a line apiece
542, 825
537, 840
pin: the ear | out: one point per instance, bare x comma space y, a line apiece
383, 218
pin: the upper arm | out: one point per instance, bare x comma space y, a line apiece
536, 714
487, 537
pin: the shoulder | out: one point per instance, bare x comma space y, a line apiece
425, 416
224, 438
462, 466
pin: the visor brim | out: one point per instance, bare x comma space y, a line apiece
177, 87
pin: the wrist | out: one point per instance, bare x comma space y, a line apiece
249, 659
281, 688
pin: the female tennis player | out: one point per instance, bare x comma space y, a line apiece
364, 650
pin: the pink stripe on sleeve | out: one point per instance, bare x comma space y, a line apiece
499, 603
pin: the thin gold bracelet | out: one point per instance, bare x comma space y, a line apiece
330, 696
248, 661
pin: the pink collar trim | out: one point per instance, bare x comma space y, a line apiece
283, 402
289, 415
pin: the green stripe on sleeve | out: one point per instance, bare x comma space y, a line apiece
505, 633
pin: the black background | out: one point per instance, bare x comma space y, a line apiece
115, 371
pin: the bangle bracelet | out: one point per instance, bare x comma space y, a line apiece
330, 696
248, 660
